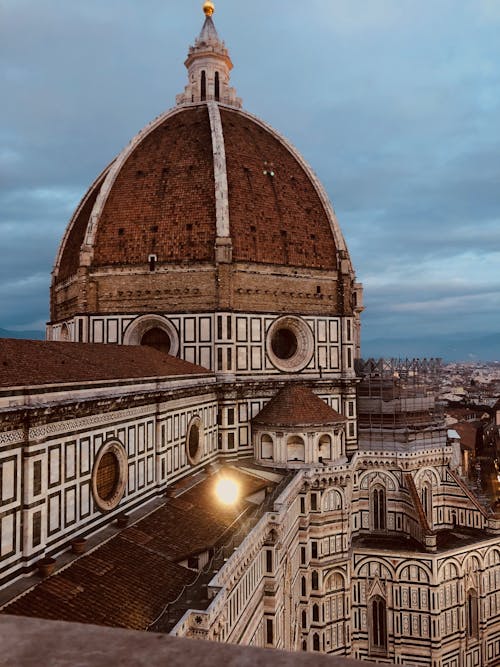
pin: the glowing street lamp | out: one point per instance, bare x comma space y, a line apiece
227, 491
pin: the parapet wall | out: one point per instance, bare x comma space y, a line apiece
25, 640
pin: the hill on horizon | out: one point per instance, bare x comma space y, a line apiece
32, 335
450, 347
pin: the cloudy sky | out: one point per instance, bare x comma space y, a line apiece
395, 103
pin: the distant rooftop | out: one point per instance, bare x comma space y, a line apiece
446, 540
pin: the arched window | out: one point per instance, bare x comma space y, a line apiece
426, 498
315, 642
325, 447
314, 581
378, 508
158, 339
65, 332
315, 613
335, 583
332, 501
304, 619
304, 587
304, 645
295, 448
203, 86
472, 614
217, 87
266, 447
378, 624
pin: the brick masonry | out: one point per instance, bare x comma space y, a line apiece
159, 199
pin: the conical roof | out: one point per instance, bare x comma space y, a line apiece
295, 405
208, 32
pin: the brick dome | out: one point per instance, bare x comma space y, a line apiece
203, 184
207, 209
159, 197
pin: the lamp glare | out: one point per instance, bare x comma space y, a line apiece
227, 491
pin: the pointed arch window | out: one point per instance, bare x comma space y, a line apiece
304, 587
378, 508
472, 614
203, 90
314, 580
217, 87
315, 642
426, 497
378, 624
304, 618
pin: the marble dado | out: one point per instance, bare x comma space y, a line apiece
205, 338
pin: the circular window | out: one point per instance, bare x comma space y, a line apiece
153, 331
290, 344
194, 443
108, 476
284, 343
158, 339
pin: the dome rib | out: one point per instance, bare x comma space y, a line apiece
68, 253
114, 172
163, 198
220, 171
272, 224
320, 191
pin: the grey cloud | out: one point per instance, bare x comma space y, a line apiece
396, 109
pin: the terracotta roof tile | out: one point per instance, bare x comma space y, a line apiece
70, 258
470, 433
129, 593
34, 362
279, 218
127, 581
297, 406
163, 199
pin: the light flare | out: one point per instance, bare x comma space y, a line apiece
227, 491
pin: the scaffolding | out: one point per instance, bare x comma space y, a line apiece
397, 407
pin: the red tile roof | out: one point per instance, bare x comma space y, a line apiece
469, 433
276, 219
122, 584
127, 581
163, 199
297, 406
34, 362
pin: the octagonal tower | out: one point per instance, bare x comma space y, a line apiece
209, 237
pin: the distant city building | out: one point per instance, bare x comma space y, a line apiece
259, 484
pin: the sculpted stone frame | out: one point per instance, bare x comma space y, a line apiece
116, 448
194, 425
141, 325
303, 335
